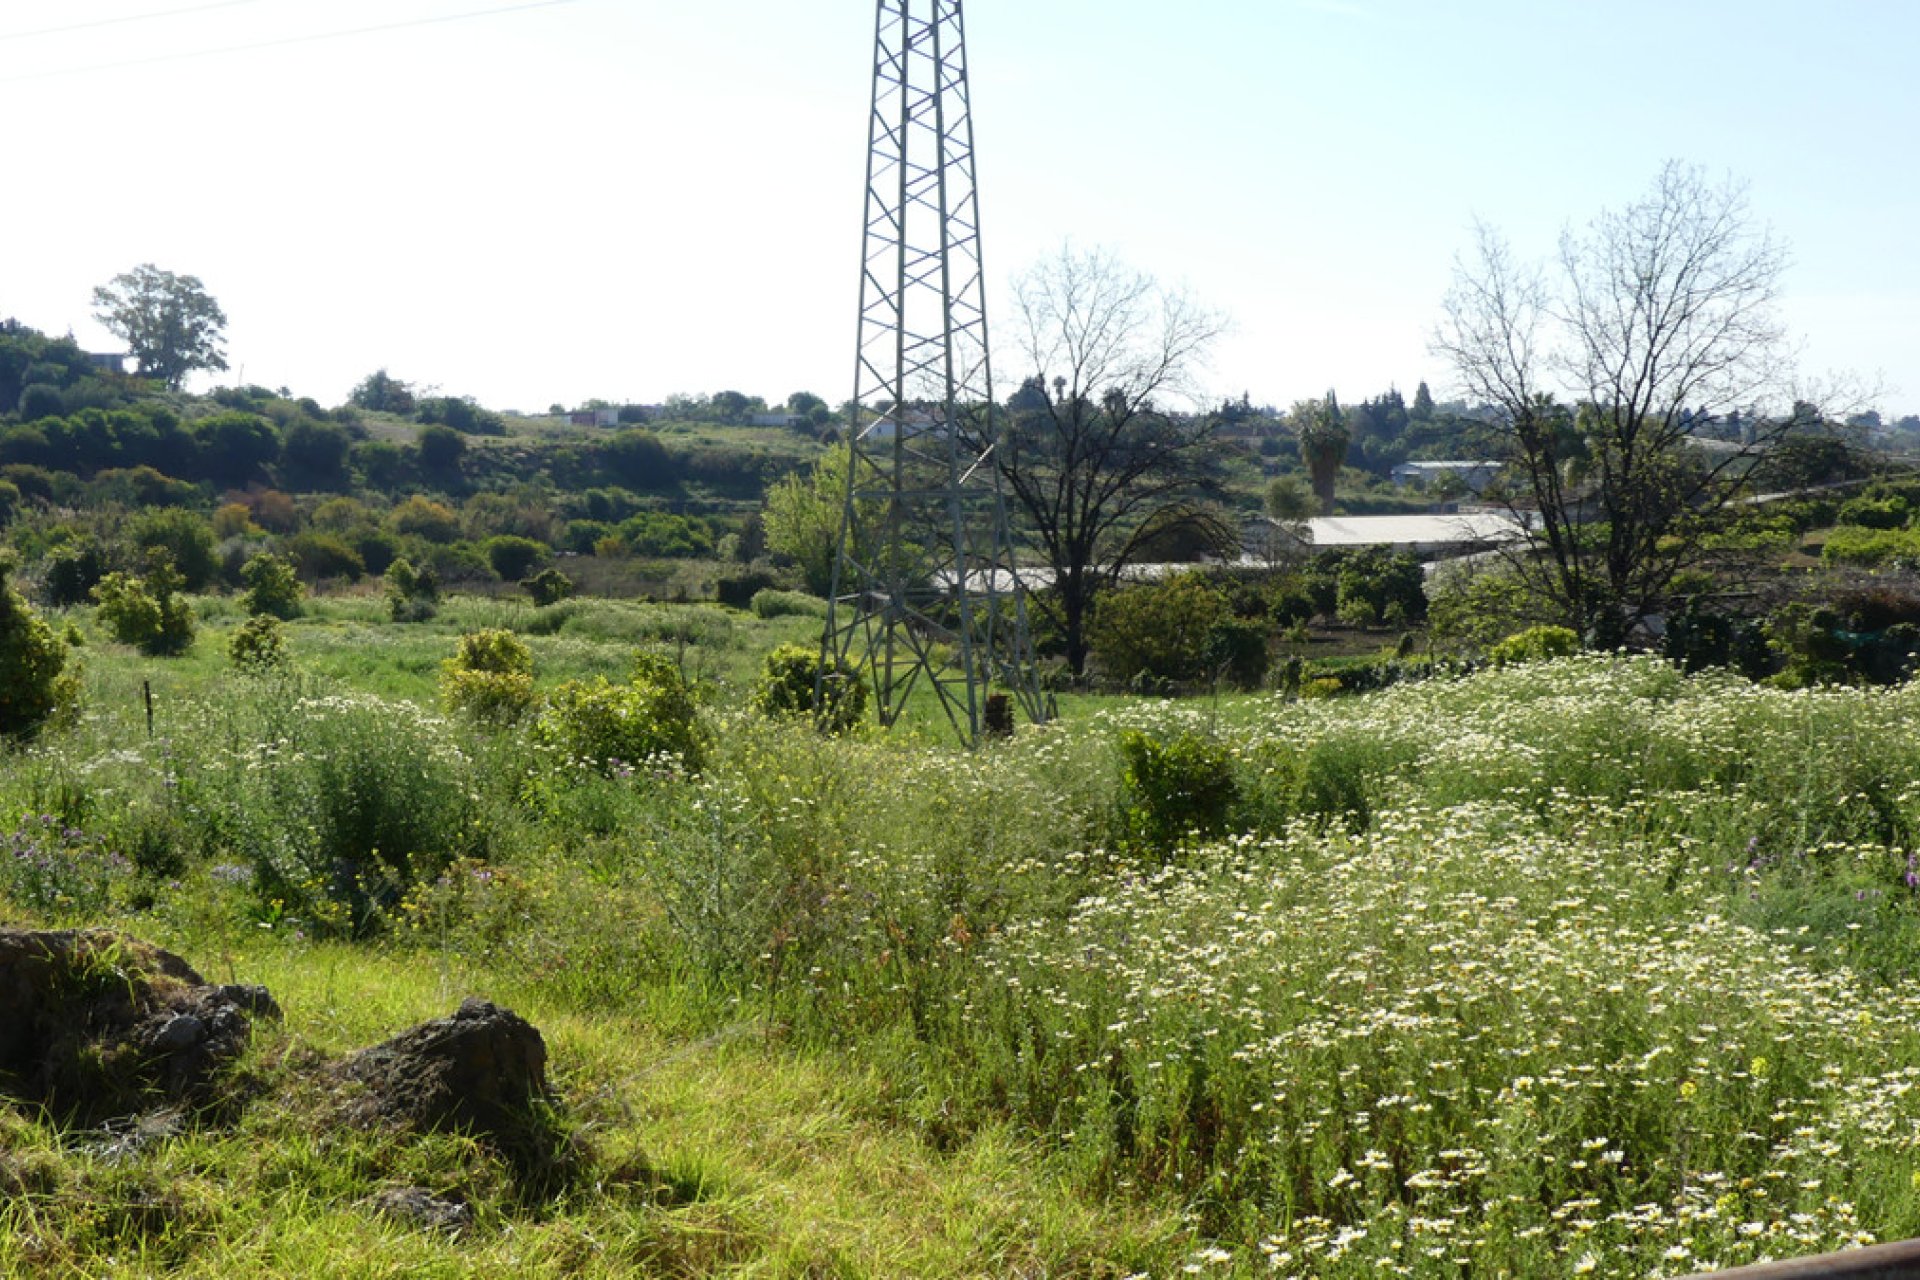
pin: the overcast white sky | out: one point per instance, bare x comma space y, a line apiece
629, 198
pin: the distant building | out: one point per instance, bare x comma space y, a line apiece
594, 418
1264, 538
108, 361
777, 420
1475, 475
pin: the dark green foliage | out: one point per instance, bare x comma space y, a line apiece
41, 400
1890, 511
583, 536
259, 645
273, 587
380, 392
549, 586
322, 555
788, 680
637, 459
1178, 789
774, 603
514, 558
460, 413
34, 682
441, 449
1235, 651
381, 463
237, 447
187, 539
72, 570
313, 455
737, 590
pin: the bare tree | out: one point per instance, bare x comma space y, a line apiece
1630, 377
1097, 460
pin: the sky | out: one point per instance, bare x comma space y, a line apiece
537, 203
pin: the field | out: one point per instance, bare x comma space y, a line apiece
1582, 967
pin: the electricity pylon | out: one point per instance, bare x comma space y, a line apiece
924, 583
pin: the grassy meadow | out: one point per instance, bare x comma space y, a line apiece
1582, 967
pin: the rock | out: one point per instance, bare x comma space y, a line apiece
96, 1024
482, 1070
418, 1207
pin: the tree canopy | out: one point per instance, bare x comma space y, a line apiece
170, 323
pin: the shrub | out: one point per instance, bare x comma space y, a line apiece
420, 517
548, 587
1235, 651
147, 612
41, 400
1884, 512
260, 644
413, 595
323, 555
770, 602
490, 678
1158, 629
737, 590
787, 680
1535, 644
273, 588
346, 803
34, 684
1870, 548
513, 558
611, 728
72, 572
185, 537
1178, 789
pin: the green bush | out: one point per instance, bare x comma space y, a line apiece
1870, 548
185, 537
344, 804
786, 687
1158, 629
325, 555
147, 612
490, 678
770, 602
614, 728
512, 557
548, 587
1178, 789
413, 595
1535, 644
273, 588
34, 684
1235, 651
260, 644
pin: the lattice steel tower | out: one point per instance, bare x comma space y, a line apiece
924, 582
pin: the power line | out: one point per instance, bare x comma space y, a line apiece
284, 41
115, 22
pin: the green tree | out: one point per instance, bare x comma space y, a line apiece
1095, 460
441, 449
1323, 445
169, 322
802, 518
381, 392
148, 611
185, 536
34, 683
1422, 410
273, 587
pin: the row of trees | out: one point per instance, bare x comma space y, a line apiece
1604, 380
